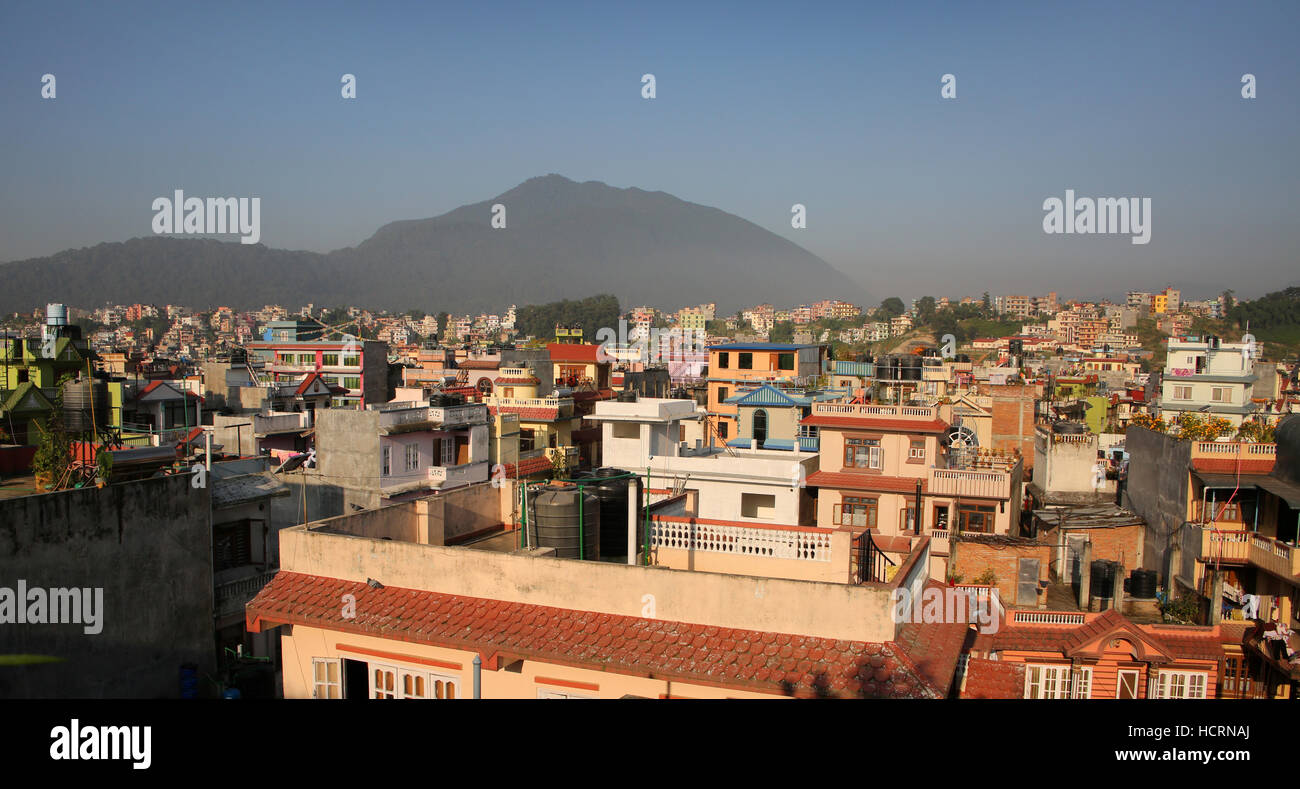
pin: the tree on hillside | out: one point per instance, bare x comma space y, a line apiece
925, 310
892, 306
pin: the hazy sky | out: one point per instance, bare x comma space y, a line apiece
758, 107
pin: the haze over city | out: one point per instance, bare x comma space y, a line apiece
758, 107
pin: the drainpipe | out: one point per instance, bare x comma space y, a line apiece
581, 539
631, 521
478, 677
919, 515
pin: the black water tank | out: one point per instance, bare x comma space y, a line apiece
1142, 584
610, 486
1071, 428
562, 519
627, 396
1103, 579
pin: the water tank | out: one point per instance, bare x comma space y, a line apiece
1103, 579
911, 368
1142, 584
85, 405
562, 519
610, 487
56, 315
627, 396
1069, 428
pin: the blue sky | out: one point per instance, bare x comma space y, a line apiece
759, 106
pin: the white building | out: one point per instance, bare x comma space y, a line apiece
1212, 378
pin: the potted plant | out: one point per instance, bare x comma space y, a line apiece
103, 467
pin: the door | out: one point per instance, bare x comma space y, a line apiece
1127, 687
1027, 582
1073, 556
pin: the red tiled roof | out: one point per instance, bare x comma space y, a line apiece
875, 423
479, 364
528, 467
858, 481
1230, 465
1179, 642
519, 381
527, 413
572, 352
778, 663
994, 679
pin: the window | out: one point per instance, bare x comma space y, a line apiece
351, 382
722, 430
627, 430
1178, 685
352, 360
1220, 394
722, 394
976, 517
1128, 684
1082, 683
448, 451
329, 359
862, 453
556, 694
389, 682
306, 360
385, 461
412, 457
1047, 682
758, 505
1182, 393
785, 361
383, 682
760, 426
916, 451
724, 360
907, 517
858, 511
326, 683
746, 361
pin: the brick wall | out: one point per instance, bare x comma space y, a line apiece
974, 555
1013, 418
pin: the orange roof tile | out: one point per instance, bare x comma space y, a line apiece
777, 663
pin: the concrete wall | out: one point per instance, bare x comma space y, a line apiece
1157, 489
829, 610
347, 454
147, 544
973, 555
463, 511
837, 570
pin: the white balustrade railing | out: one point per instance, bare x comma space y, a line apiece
1049, 618
763, 543
859, 409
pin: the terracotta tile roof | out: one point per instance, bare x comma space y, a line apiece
994, 679
858, 481
525, 381
1229, 465
479, 364
1178, 642
934, 649
528, 467
778, 663
572, 352
876, 423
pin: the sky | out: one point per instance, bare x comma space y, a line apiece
758, 106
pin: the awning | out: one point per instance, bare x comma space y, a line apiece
1229, 481
1284, 490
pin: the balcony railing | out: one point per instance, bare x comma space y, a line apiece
418, 417
453, 476
986, 484
1274, 556
264, 424
1226, 546
769, 542
233, 595
888, 411
1233, 449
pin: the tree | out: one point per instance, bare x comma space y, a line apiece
1227, 301
782, 331
925, 310
892, 306
988, 303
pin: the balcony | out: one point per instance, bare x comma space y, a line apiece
562, 405
286, 422
875, 411
1236, 545
232, 596
1233, 450
454, 476
982, 484
407, 418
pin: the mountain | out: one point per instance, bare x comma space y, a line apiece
562, 239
